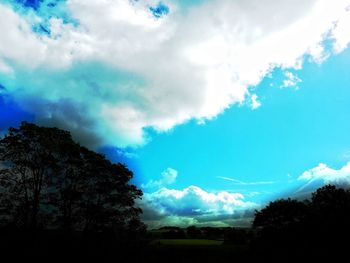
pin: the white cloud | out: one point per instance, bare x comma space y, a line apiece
184, 221
255, 103
193, 201
341, 32
188, 65
167, 177
193, 205
291, 80
327, 174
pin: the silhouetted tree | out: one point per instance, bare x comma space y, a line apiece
47, 179
330, 217
280, 213
319, 227
106, 197
30, 157
331, 200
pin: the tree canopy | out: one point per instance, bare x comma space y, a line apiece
319, 226
49, 181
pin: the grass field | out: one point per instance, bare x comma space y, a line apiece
195, 250
188, 242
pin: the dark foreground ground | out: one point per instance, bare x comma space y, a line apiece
59, 247
55, 247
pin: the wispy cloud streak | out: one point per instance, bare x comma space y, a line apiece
238, 182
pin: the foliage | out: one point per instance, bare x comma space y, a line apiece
280, 213
305, 228
49, 181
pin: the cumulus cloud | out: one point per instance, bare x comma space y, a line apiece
167, 177
328, 175
193, 201
137, 64
193, 205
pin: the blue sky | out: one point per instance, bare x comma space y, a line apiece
293, 130
215, 113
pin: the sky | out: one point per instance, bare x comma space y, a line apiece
218, 106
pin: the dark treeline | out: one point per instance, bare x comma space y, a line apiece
230, 235
316, 228
54, 189
59, 200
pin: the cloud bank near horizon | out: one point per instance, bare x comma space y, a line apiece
322, 172
110, 69
193, 205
